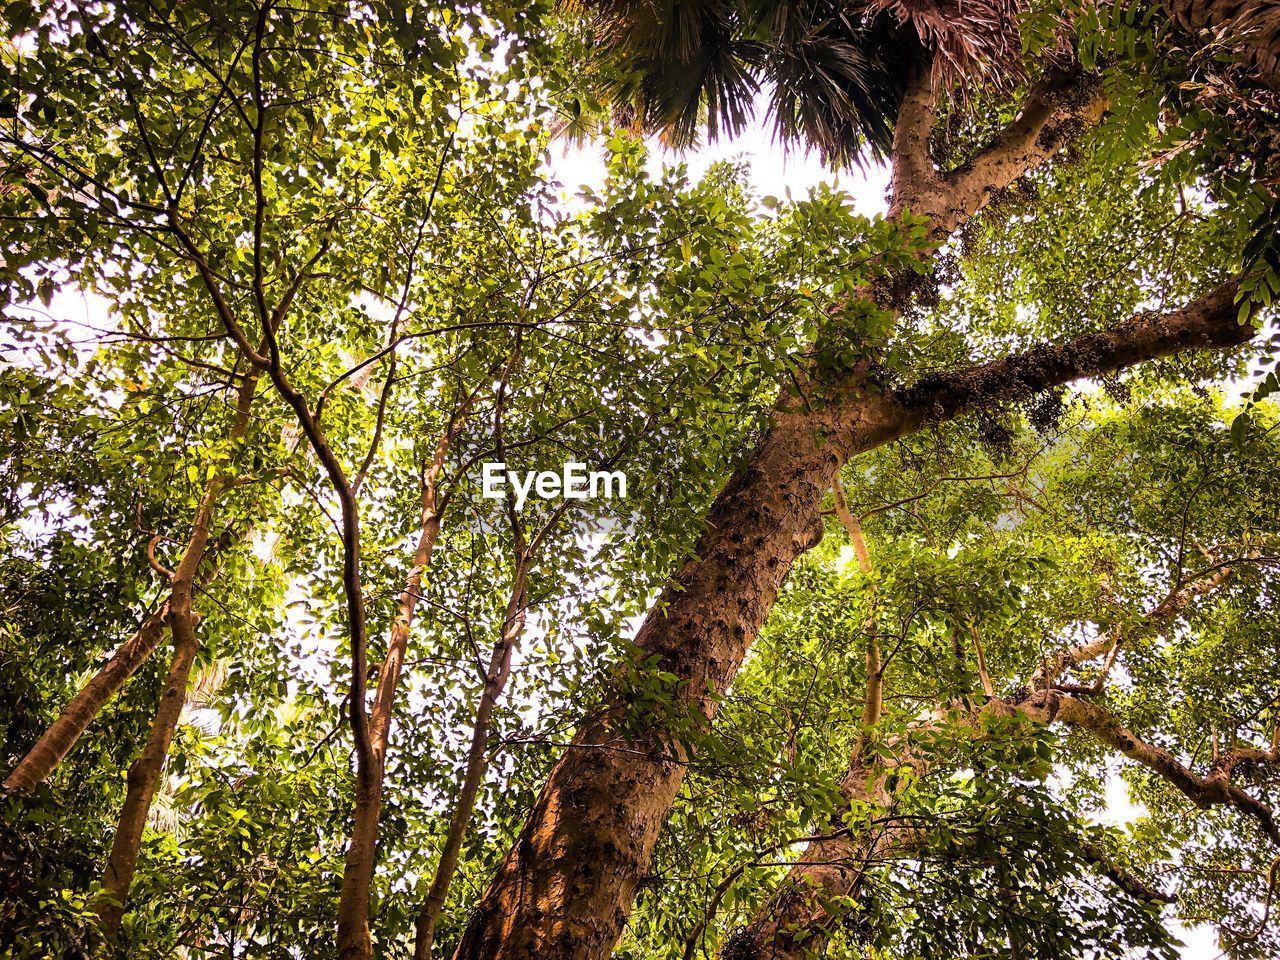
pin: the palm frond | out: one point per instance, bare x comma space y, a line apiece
969, 39
674, 68
836, 80
834, 69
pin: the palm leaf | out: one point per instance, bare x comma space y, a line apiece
834, 70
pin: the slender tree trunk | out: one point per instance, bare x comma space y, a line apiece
873, 702
790, 926
144, 778
477, 764
144, 773
76, 716
357, 876
57, 741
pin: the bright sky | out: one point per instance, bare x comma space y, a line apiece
772, 170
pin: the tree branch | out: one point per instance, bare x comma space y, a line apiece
1209, 322
1215, 789
1058, 108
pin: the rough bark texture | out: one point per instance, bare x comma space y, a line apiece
566, 888
1250, 28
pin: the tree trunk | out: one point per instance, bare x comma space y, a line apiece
793, 923
144, 778
357, 876
1250, 28
145, 771
477, 764
565, 889
354, 941
76, 716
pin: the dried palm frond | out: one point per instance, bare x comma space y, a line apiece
968, 39
833, 70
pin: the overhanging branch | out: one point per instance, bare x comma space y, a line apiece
1207, 323
1215, 789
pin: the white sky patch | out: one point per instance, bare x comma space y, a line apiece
774, 171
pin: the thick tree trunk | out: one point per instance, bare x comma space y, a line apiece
477, 764
1251, 28
565, 889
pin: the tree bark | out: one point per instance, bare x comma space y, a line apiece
144, 779
1251, 28
57, 741
144, 773
477, 764
76, 716
357, 876
565, 889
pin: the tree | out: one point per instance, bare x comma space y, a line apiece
341, 279
567, 885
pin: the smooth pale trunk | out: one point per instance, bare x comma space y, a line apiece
71, 723
57, 741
